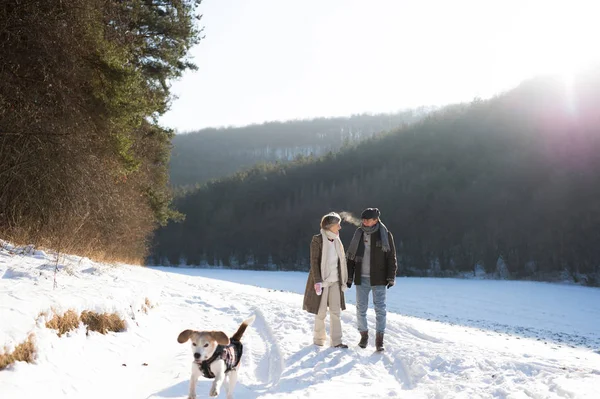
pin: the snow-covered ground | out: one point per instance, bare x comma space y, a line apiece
491, 339
562, 313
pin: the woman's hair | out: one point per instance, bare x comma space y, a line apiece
329, 220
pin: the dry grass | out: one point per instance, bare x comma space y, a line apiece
24, 352
100, 322
147, 306
103, 322
67, 322
109, 257
23, 243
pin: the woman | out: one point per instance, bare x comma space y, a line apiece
327, 281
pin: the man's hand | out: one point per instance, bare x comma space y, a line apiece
390, 283
349, 283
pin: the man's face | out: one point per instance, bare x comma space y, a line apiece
369, 222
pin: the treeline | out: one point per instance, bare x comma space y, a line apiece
215, 153
509, 185
83, 161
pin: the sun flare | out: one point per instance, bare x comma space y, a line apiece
549, 38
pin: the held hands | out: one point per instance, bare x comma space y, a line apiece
390, 283
319, 288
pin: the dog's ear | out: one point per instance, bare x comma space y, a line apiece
220, 337
184, 336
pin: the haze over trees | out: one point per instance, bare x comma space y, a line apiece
215, 153
508, 185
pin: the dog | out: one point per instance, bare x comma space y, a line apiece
215, 356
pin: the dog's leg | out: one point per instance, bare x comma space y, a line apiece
194, 381
226, 383
218, 369
231, 383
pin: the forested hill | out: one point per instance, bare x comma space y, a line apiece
215, 153
509, 184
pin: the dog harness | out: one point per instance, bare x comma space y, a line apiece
230, 354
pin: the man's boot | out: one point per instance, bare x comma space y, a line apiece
364, 339
379, 342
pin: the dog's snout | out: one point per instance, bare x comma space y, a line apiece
196, 356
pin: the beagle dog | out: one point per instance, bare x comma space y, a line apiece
216, 357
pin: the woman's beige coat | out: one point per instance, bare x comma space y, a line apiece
311, 299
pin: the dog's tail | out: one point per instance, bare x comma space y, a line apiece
240, 331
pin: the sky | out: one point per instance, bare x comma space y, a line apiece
267, 60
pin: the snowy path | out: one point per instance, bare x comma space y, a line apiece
424, 359
560, 313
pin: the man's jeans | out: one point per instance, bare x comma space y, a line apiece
362, 304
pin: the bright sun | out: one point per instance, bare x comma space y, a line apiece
550, 37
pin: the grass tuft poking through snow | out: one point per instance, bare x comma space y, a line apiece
147, 306
69, 321
24, 352
102, 322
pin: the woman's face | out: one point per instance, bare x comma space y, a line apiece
336, 228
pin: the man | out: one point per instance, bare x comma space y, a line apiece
372, 266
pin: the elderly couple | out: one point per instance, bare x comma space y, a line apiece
370, 263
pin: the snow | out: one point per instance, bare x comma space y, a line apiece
558, 312
446, 338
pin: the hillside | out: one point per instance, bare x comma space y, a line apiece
506, 186
545, 347
215, 153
